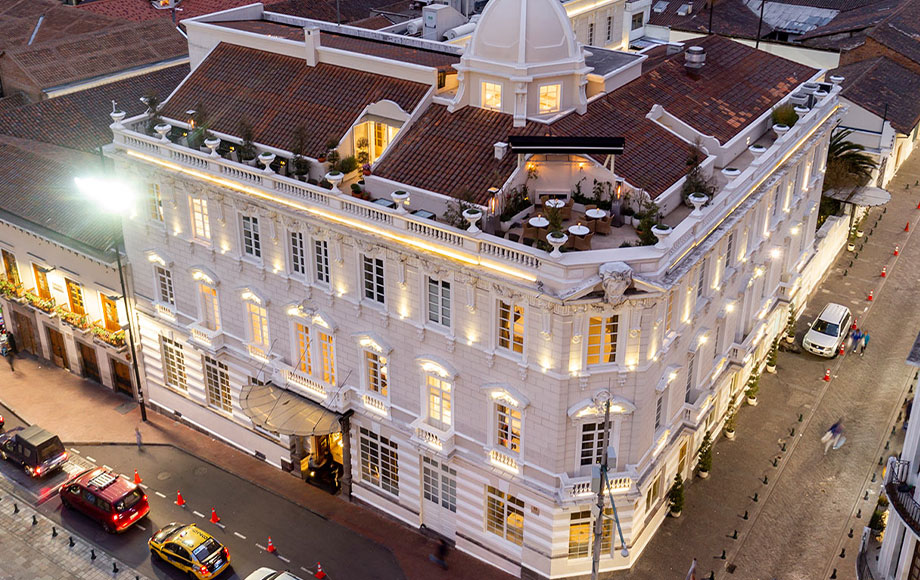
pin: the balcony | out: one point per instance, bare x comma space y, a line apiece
110, 338
47, 306
503, 460
376, 404
433, 438
78, 321
580, 487
900, 494
303, 384
205, 336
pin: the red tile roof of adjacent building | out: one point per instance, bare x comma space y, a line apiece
373, 22
853, 20
278, 93
730, 18
19, 18
348, 10
81, 120
885, 88
900, 31
140, 10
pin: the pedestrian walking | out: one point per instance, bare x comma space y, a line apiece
857, 338
865, 343
440, 558
140, 440
833, 437
7, 347
909, 405
691, 573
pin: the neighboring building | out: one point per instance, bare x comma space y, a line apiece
59, 287
445, 376
896, 37
899, 557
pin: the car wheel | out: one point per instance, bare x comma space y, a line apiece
66, 503
154, 554
26, 469
107, 528
3, 455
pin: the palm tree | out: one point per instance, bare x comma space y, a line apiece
848, 166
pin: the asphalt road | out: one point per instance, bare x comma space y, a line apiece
249, 515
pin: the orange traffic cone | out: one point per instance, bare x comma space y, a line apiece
907, 227
137, 478
319, 571
853, 327
869, 297
918, 205
827, 375
214, 518
179, 501
271, 547
884, 271
842, 350
897, 250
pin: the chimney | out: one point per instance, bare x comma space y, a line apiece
695, 57
500, 150
311, 40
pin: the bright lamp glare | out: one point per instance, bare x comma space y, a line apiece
109, 195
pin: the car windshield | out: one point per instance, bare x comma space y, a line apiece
129, 500
50, 449
825, 327
202, 552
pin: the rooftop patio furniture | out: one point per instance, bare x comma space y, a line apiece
566, 210
583, 243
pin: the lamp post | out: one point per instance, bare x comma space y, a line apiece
598, 482
96, 189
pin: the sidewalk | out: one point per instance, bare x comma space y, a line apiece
81, 411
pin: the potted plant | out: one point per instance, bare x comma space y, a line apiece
362, 155
300, 165
772, 356
347, 164
704, 465
556, 239
472, 215
878, 519
247, 149
676, 496
199, 132
784, 117
730, 421
790, 326
851, 243
753, 386
332, 153
153, 109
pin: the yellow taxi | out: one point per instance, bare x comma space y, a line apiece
190, 549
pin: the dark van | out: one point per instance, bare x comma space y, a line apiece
111, 499
36, 450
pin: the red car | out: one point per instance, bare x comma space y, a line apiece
112, 500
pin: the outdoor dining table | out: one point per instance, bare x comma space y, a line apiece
554, 203
579, 230
538, 222
596, 214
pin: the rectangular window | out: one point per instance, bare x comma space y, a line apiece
439, 302
653, 493
590, 34
729, 249
637, 21
321, 256
41, 282
670, 313
592, 443
511, 327
252, 243
504, 515
602, 339
659, 404
581, 533
201, 227
508, 422
258, 325
10, 267
701, 280
304, 359
109, 313
609, 28
154, 202
165, 285
379, 461
440, 404
682, 459
439, 483
550, 98
217, 384
173, 364
691, 358
373, 279
298, 259
210, 308
376, 366
491, 96
75, 296
327, 353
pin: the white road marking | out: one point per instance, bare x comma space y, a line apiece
107, 467
260, 546
221, 526
90, 459
77, 451
160, 494
144, 485
199, 514
239, 535
305, 570
141, 527
283, 559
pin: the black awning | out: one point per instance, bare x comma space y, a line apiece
571, 145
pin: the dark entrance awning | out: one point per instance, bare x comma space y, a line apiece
282, 411
571, 145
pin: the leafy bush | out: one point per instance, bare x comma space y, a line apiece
453, 215
247, 148
300, 163
347, 165
790, 322
753, 385
730, 418
785, 115
518, 200
676, 495
774, 353
363, 156
705, 454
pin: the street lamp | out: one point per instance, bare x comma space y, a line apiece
115, 198
598, 482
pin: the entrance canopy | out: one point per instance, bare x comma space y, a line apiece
282, 411
861, 196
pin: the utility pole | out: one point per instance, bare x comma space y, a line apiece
599, 521
759, 24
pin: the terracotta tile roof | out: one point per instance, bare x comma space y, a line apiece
265, 28
730, 18
885, 88
838, 43
373, 23
140, 10
81, 120
37, 191
277, 93
12, 102
98, 53
901, 30
854, 20
349, 10
18, 19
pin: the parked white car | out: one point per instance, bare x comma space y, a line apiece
828, 331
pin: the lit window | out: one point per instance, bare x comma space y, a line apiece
258, 325
41, 282
304, 359
298, 261
691, 359
165, 285
549, 98
75, 296
173, 364
659, 411
201, 228
581, 533
210, 309
321, 258
592, 443
511, 327
154, 202
373, 279
379, 461
504, 515
376, 367
217, 384
492, 96
602, 339
508, 427
109, 313
11, 267
670, 313
327, 354
439, 302
252, 242
439, 483
653, 493
440, 404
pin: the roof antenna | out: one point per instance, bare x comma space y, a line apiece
37, 25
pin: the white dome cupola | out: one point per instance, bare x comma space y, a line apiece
523, 60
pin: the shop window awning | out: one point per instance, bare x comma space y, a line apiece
281, 411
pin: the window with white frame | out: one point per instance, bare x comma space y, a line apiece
379, 461
298, 259
590, 34
668, 319
592, 443
439, 302
154, 202
258, 325
439, 483
373, 279
173, 364
602, 339
201, 227
217, 384
511, 326
508, 426
504, 515
550, 97
165, 291
691, 359
440, 401
701, 280
491, 96
327, 357
321, 261
252, 242
637, 21
210, 307
581, 533
659, 411
609, 28
729, 249
653, 493
376, 370
302, 340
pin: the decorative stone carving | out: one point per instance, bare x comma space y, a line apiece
616, 277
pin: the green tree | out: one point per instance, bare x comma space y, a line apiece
705, 454
676, 495
848, 164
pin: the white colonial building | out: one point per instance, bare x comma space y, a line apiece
449, 372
